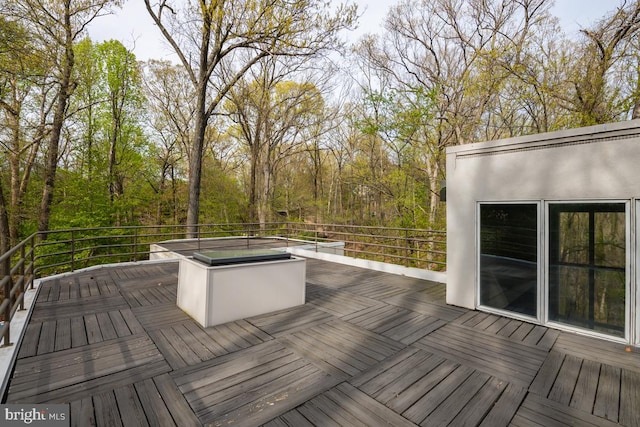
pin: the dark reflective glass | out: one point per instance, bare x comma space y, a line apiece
587, 257
509, 257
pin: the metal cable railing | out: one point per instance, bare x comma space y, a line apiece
58, 251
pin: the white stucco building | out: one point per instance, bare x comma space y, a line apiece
547, 228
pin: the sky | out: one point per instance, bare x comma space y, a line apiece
135, 29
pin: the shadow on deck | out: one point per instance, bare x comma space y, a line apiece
368, 348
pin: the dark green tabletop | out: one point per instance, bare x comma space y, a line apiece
239, 256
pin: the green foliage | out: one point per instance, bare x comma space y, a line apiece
222, 199
80, 203
275, 142
397, 114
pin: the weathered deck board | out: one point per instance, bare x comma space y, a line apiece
376, 290
342, 276
176, 403
58, 373
460, 398
154, 402
590, 387
408, 381
395, 322
173, 348
420, 302
516, 330
630, 399
159, 316
290, 320
81, 413
364, 408
503, 410
129, 407
342, 405
69, 308
92, 385
608, 394
251, 386
368, 348
80, 285
338, 303
145, 275
538, 411
566, 380
236, 335
187, 343
292, 418
495, 355
584, 393
106, 409
30, 341
343, 348
72, 332
155, 408
606, 352
547, 374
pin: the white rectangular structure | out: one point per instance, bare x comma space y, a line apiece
551, 182
220, 294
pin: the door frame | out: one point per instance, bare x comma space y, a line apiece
630, 327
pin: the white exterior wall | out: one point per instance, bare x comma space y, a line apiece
213, 295
593, 163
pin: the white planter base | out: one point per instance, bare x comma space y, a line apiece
220, 294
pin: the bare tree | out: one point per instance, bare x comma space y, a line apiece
464, 52
609, 43
218, 41
171, 109
272, 113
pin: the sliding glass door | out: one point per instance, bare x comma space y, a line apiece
587, 266
509, 257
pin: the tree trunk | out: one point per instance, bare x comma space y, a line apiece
14, 164
263, 200
62, 100
636, 105
253, 186
4, 223
18, 184
636, 109
195, 163
113, 191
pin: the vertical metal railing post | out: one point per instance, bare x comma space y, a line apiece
6, 271
286, 233
198, 235
135, 244
33, 259
22, 274
406, 247
73, 251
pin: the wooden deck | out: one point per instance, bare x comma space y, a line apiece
367, 349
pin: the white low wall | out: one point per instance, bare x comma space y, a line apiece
418, 273
8, 354
159, 251
225, 293
329, 251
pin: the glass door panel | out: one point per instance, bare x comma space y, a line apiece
509, 257
587, 266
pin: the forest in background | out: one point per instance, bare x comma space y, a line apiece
270, 115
